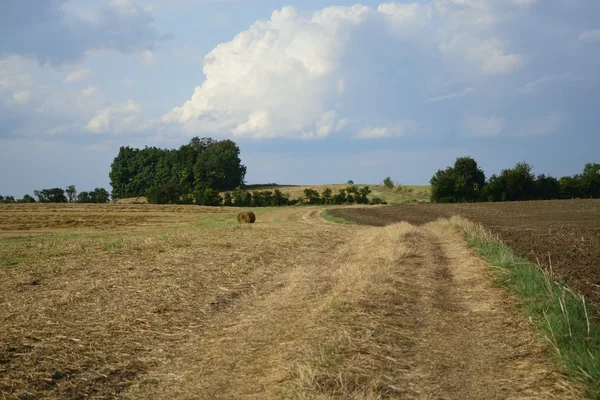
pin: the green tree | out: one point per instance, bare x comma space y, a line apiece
219, 167
55, 195
166, 193
326, 196
546, 187
84, 197
570, 187
362, 195
590, 180
71, 193
312, 196
28, 199
206, 196
388, 183
280, 199
463, 182
242, 198
99, 195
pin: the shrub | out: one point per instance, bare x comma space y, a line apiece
167, 193
388, 183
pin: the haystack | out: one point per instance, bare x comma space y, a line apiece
246, 217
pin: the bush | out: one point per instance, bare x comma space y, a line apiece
207, 197
167, 193
388, 183
227, 199
377, 200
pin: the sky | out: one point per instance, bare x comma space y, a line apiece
313, 92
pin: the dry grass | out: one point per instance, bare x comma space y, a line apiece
291, 306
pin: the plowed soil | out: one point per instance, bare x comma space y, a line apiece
561, 235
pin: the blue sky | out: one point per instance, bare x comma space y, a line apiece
313, 92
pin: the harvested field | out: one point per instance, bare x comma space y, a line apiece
187, 304
562, 235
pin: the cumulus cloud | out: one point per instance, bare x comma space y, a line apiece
47, 32
78, 75
115, 118
127, 82
89, 91
481, 126
590, 36
284, 76
147, 58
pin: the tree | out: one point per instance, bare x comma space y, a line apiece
570, 187
312, 196
55, 195
590, 180
350, 182
206, 196
362, 196
280, 199
242, 198
167, 193
84, 197
28, 199
519, 182
388, 183
546, 187
464, 182
71, 193
326, 196
219, 167
99, 195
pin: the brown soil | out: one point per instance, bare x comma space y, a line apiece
290, 307
562, 235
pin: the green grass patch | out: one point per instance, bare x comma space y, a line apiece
562, 317
337, 220
10, 261
215, 221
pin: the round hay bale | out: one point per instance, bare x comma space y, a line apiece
246, 217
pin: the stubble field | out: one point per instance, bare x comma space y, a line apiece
179, 302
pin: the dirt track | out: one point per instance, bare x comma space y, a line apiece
294, 307
561, 235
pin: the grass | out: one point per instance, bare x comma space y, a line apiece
337, 220
561, 316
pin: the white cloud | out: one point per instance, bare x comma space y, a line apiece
115, 118
304, 78
489, 54
479, 126
89, 91
450, 96
543, 126
396, 129
78, 75
21, 97
127, 82
147, 58
590, 36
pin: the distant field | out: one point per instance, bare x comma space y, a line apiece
398, 195
563, 235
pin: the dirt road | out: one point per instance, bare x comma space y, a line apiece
293, 307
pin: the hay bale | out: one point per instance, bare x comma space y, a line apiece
246, 217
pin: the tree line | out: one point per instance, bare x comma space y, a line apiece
59, 195
466, 182
194, 171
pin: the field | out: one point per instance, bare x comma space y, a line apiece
398, 195
560, 235
180, 302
